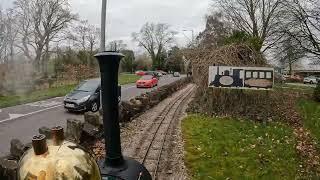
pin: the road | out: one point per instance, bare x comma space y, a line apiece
23, 121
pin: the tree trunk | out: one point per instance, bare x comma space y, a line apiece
46, 59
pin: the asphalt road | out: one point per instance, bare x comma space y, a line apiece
23, 121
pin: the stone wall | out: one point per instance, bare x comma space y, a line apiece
85, 133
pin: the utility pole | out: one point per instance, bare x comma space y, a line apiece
103, 26
103, 33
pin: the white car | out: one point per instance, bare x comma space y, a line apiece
176, 74
159, 74
310, 79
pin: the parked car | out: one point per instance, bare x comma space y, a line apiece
159, 74
162, 72
153, 73
140, 73
294, 79
176, 74
311, 80
86, 97
147, 81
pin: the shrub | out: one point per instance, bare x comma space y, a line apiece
316, 93
247, 104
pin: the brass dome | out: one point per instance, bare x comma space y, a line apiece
61, 160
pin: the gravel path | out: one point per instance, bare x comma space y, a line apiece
137, 136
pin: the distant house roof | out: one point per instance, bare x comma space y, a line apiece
307, 68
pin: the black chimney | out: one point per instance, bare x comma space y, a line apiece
114, 165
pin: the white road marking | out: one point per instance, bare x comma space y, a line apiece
44, 104
29, 114
124, 89
14, 116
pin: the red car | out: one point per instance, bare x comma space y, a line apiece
140, 73
147, 81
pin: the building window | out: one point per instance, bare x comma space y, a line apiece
269, 75
248, 74
255, 74
262, 75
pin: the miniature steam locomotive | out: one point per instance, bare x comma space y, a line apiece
241, 77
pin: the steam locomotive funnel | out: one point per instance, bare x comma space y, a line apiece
114, 165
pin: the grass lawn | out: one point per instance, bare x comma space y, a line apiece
12, 100
294, 88
128, 78
310, 111
221, 148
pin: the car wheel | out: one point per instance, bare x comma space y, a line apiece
95, 107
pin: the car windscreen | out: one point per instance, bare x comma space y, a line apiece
146, 77
88, 86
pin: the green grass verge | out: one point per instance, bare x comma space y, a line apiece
128, 78
12, 100
220, 148
293, 88
310, 110
290, 87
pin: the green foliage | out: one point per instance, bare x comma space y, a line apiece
310, 110
222, 148
143, 62
240, 37
71, 57
175, 60
160, 60
128, 61
316, 93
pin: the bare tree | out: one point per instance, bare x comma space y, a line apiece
81, 33
93, 37
217, 28
302, 23
154, 38
85, 36
40, 22
117, 45
2, 36
7, 35
289, 53
258, 18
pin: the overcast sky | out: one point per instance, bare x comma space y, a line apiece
125, 17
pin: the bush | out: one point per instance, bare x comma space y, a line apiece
316, 93
248, 104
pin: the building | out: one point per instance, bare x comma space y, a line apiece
305, 71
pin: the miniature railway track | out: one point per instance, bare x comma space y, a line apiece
150, 150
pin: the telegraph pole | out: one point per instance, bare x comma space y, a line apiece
103, 26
